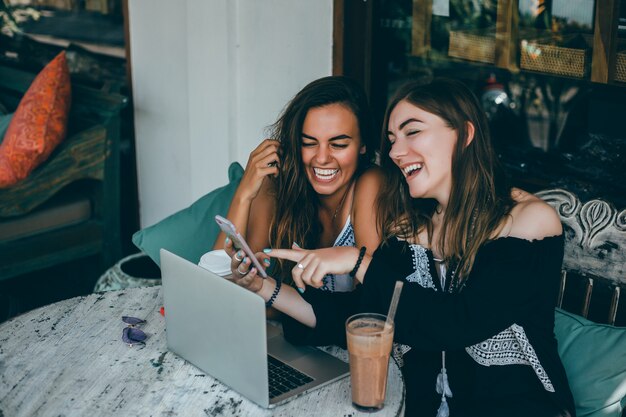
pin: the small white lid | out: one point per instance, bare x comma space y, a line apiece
216, 261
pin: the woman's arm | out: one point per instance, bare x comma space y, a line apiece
313, 265
364, 213
253, 198
301, 312
286, 300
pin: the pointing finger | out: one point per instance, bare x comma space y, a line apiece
288, 254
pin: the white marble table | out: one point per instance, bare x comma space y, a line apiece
68, 359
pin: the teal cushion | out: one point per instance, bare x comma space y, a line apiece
5, 119
191, 232
594, 357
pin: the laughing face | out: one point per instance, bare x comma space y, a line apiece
331, 144
422, 145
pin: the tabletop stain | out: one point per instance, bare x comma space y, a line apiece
41, 320
159, 362
216, 410
220, 408
234, 406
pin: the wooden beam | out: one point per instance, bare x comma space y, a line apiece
338, 36
507, 41
587, 298
604, 41
420, 31
352, 40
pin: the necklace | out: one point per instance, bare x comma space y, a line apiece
340, 205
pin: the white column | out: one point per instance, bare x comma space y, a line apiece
208, 77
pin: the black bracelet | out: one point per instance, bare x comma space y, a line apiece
358, 262
274, 294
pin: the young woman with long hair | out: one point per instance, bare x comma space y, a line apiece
313, 183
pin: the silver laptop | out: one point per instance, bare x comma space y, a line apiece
221, 328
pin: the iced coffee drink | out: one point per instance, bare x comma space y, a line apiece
369, 345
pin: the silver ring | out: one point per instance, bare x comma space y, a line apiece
237, 257
241, 273
300, 266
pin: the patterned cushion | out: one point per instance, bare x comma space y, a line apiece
38, 124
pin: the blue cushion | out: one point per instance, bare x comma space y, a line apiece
594, 357
191, 232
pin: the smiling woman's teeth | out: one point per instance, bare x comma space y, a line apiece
325, 174
408, 170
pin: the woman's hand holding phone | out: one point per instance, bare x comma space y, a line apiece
244, 274
239, 243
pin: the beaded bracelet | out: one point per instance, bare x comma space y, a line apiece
358, 262
274, 294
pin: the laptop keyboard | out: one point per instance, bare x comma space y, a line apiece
283, 378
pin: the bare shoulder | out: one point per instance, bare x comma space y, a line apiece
370, 181
532, 218
366, 189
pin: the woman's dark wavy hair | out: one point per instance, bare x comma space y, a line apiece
296, 216
480, 196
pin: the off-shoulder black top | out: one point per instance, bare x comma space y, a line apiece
497, 332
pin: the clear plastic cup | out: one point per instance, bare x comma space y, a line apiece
369, 344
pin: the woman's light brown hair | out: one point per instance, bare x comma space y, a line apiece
480, 196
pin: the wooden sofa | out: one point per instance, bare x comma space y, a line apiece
593, 279
80, 178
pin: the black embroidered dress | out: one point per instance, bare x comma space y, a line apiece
501, 353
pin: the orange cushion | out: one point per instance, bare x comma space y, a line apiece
39, 123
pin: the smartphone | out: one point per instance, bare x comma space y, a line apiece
230, 230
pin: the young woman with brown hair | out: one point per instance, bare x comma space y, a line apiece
313, 183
